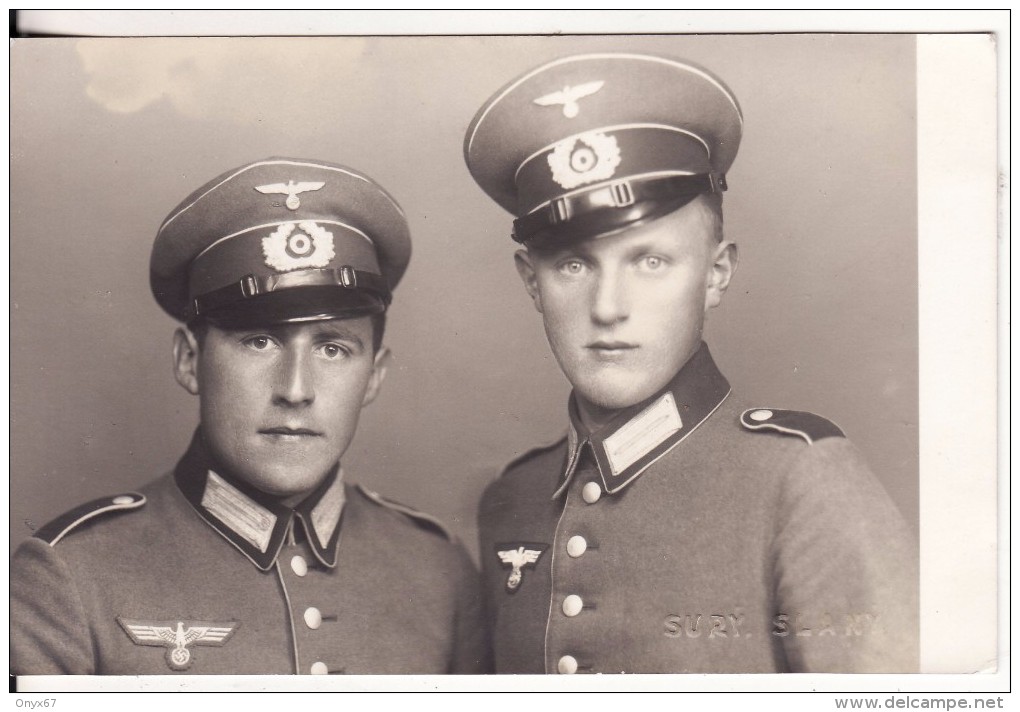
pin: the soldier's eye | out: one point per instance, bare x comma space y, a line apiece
572, 267
652, 262
333, 351
258, 343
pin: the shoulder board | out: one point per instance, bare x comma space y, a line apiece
528, 454
425, 521
806, 425
61, 526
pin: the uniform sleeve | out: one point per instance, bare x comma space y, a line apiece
49, 635
472, 655
846, 568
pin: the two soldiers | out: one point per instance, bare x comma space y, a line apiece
673, 529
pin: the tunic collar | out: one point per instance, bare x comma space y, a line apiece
641, 434
254, 522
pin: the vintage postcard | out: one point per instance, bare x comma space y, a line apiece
841, 520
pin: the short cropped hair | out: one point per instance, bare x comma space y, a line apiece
713, 201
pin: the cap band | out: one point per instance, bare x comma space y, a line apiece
615, 205
251, 286
614, 152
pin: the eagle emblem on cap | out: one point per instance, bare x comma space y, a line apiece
517, 559
304, 245
583, 159
291, 190
569, 96
175, 637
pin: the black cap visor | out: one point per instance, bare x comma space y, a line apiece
605, 222
612, 208
301, 304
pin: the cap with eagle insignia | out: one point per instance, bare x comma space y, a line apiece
806, 425
281, 240
592, 144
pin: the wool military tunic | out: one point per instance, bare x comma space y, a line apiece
200, 574
693, 534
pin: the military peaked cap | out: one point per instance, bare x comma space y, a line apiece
592, 144
281, 240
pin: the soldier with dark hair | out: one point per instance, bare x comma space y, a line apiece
255, 555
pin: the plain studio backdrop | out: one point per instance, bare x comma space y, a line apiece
107, 135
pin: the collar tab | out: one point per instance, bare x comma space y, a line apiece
254, 522
638, 436
320, 515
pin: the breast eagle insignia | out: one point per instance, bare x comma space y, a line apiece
175, 637
518, 559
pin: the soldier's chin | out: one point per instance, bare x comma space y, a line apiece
614, 394
287, 485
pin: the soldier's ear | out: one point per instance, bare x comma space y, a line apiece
379, 366
526, 269
186, 359
724, 264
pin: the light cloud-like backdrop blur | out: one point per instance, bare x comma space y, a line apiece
223, 81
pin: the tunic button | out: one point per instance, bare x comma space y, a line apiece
123, 499
572, 605
313, 618
760, 415
576, 545
319, 668
591, 492
299, 565
567, 665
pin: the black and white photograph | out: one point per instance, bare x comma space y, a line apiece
387, 355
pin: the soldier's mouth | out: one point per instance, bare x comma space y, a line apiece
284, 432
610, 347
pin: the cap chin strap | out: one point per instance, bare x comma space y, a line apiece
614, 205
252, 286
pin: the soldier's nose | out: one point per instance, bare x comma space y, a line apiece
609, 299
295, 383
